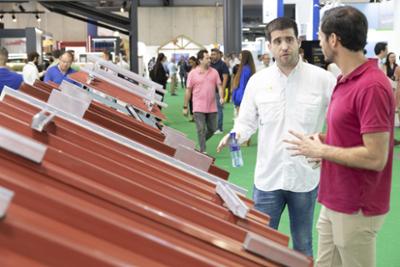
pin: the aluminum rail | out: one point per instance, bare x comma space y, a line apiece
126, 73
123, 84
127, 80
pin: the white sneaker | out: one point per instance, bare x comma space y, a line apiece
218, 132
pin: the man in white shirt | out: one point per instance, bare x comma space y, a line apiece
290, 94
265, 60
173, 69
30, 72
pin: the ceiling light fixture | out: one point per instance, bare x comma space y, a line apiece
14, 18
1, 17
38, 19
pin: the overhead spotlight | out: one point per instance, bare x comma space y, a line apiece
123, 7
38, 19
14, 18
1, 17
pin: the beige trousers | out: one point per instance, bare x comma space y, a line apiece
347, 240
173, 84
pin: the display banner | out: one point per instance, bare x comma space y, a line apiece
272, 9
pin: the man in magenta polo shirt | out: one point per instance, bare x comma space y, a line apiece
201, 85
357, 150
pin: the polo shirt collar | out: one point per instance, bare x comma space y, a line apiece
358, 71
199, 70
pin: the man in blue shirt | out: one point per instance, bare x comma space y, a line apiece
61, 71
7, 77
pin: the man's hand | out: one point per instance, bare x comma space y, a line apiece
221, 100
185, 111
309, 146
225, 141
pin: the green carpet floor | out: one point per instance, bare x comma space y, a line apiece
388, 242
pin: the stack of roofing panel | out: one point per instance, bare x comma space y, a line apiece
129, 127
87, 196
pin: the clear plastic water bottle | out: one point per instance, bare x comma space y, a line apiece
236, 154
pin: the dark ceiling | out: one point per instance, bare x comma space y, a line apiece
101, 10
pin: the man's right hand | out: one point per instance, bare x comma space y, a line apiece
223, 143
185, 112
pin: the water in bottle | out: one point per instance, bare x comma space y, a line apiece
236, 154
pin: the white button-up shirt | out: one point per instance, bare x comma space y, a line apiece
30, 73
275, 103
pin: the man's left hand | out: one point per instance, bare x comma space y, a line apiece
309, 146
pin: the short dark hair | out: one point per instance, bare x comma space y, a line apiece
57, 53
32, 56
216, 50
280, 24
4, 52
194, 59
69, 54
107, 53
200, 54
349, 24
3, 55
381, 46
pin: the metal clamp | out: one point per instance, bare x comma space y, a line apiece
75, 91
232, 201
68, 103
276, 252
41, 119
90, 78
22, 145
132, 112
5, 199
149, 100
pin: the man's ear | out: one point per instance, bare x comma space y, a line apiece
333, 39
299, 41
269, 46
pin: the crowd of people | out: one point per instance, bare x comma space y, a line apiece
234, 71
55, 68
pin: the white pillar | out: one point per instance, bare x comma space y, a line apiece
394, 45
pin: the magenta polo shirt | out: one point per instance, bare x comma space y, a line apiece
203, 87
361, 103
